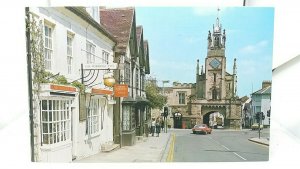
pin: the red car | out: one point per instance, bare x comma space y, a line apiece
201, 128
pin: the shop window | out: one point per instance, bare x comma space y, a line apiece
55, 121
126, 117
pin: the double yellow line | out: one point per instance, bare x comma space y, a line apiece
171, 150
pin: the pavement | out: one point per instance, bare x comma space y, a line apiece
261, 140
150, 149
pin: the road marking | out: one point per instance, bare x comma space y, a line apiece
228, 149
225, 147
171, 150
239, 156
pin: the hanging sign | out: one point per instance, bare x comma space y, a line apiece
121, 90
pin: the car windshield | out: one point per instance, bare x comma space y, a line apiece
199, 126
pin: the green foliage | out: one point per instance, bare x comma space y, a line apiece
36, 51
156, 99
60, 80
79, 85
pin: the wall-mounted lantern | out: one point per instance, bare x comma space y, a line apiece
109, 79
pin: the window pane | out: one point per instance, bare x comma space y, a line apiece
54, 138
50, 116
45, 128
51, 138
50, 32
44, 116
46, 30
50, 105
50, 127
44, 104
45, 139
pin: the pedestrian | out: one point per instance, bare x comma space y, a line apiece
157, 127
153, 126
162, 125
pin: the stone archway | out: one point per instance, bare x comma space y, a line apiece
207, 110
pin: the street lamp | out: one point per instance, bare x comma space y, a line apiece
109, 79
165, 116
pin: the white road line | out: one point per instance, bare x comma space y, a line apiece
225, 147
228, 149
239, 156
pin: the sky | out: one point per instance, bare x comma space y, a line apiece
177, 37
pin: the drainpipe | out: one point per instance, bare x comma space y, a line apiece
29, 72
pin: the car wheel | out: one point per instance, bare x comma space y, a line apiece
194, 132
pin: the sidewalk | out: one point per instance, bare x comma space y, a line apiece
152, 149
261, 140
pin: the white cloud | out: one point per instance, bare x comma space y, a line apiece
254, 48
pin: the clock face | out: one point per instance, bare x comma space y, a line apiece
215, 63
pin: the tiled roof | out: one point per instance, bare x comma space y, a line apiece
118, 21
266, 90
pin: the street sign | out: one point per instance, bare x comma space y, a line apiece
100, 66
121, 90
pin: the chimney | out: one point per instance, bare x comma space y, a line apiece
266, 84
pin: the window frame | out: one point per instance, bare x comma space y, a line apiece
70, 55
48, 45
57, 122
92, 120
90, 52
181, 98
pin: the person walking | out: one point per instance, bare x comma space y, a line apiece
162, 125
153, 126
157, 127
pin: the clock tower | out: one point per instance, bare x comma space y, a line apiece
215, 63
215, 89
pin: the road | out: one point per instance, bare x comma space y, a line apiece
220, 146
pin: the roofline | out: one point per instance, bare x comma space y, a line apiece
91, 21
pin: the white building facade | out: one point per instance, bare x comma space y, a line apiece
261, 102
69, 123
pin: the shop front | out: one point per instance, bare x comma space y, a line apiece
57, 108
129, 112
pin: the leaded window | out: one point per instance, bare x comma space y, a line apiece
55, 121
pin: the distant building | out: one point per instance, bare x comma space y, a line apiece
261, 102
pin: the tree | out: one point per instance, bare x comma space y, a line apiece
156, 99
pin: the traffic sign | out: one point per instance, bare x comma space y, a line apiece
100, 66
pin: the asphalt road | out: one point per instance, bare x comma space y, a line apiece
220, 146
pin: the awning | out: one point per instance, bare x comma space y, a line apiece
141, 100
128, 100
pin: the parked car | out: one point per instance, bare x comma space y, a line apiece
255, 126
201, 128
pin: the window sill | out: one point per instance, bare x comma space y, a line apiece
56, 146
91, 136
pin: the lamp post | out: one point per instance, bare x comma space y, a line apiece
165, 117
